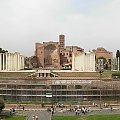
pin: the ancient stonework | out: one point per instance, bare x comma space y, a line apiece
102, 53
48, 54
55, 54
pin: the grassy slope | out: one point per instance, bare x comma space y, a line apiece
13, 118
90, 117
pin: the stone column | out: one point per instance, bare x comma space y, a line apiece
48, 74
83, 62
118, 63
40, 74
15, 61
73, 62
6, 62
18, 62
3, 62
44, 74
0, 62
23, 62
11, 55
12, 62
8, 57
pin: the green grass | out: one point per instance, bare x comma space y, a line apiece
12, 118
65, 118
90, 117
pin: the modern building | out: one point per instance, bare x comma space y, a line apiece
11, 61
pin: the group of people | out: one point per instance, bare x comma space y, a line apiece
12, 111
81, 110
21, 107
52, 109
35, 117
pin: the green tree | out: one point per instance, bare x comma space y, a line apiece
117, 54
3, 51
118, 57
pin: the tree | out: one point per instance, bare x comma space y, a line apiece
3, 51
118, 57
2, 105
118, 54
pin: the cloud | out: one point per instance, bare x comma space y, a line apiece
24, 22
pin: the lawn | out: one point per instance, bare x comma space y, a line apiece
12, 118
90, 117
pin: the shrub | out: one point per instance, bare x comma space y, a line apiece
2, 105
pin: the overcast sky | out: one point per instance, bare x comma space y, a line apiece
86, 23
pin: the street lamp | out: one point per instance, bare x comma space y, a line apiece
100, 86
100, 71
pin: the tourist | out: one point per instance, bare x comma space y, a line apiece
111, 108
23, 108
76, 111
33, 117
52, 110
10, 111
36, 117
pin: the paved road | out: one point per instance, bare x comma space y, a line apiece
42, 115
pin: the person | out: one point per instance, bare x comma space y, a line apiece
111, 108
13, 110
83, 110
33, 117
76, 111
36, 117
52, 110
10, 111
23, 108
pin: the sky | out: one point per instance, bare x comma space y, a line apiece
86, 23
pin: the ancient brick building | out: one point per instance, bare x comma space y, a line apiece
66, 52
55, 54
48, 54
102, 53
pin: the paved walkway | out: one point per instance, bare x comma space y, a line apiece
42, 115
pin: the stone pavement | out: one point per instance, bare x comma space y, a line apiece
42, 115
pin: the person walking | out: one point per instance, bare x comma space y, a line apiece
33, 117
111, 108
23, 108
36, 117
52, 110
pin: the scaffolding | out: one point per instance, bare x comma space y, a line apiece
60, 89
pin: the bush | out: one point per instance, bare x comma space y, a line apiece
116, 75
2, 105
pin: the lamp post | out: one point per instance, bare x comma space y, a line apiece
100, 86
100, 71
